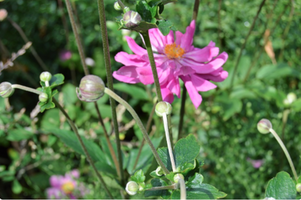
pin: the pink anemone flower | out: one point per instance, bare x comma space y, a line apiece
175, 58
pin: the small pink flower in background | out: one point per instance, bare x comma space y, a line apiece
65, 55
66, 187
256, 163
175, 59
3, 14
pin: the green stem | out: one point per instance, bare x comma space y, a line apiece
138, 121
168, 187
106, 51
182, 189
83, 146
285, 152
121, 4
28, 89
77, 38
196, 9
148, 125
153, 64
182, 112
172, 159
244, 44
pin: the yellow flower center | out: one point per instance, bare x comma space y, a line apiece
68, 187
173, 51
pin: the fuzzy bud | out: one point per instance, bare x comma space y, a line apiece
264, 126
45, 76
6, 89
177, 177
117, 6
131, 19
43, 97
91, 88
162, 108
298, 187
132, 187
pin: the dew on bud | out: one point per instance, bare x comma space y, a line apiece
6, 89
131, 19
264, 126
91, 88
163, 108
43, 97
132, 188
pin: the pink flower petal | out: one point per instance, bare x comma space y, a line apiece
135, 47
187, 38
145, 75
128, 59
55, 181
127, 74
202, 55
157, 39
195, 97
201, 84
174, 86
167, 95
219, 77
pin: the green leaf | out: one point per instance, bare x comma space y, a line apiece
156, 182
135, 92
56, 80
104, 167
69, 93
195, 181
17, 187
281, 187
19, 134
204, 191
70, 139
276, 71
165, 26
144, 10
138, 177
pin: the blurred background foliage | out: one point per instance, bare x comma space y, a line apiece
225, 123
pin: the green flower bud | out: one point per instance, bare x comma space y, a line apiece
159, 171
290, 98
126, 9
43, 97
264, 126
298, 187
45, 76
6, 89
131, 19
177, 177
117, 6
91, 88
163, 107
131, 188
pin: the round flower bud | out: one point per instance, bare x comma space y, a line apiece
159, 171
3, 14
45, 76
43, 97
264, 126
298, 187
91, 88
290, 98
6, 89
177, 177
163, 107
131, 19
117, 6
131, 188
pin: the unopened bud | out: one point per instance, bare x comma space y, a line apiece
159, 171
6, 89
3, 14
91, 88
45, 77
43, 97
264, 126
131, 19
117, 6
298, 187
290, 98
177, 177
132, 187
163, 108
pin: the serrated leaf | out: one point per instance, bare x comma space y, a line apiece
165, 26
204, 191
138, 177
281, 187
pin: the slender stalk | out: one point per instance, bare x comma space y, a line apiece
64, 20
106, 51
182, 112
28, 89
26, 40
121, 4
168, 187
108, 139
196, 9
219, 23
172, 159
182, 189
244, 44
137, 119
83, 147
77, 38
153, 64
148, 125
285, 152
